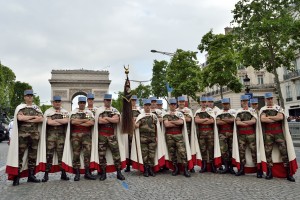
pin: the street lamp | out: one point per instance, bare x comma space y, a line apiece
162, 52
247, 84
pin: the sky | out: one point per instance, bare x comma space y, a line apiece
37, 36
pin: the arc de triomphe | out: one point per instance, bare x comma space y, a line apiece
70, 83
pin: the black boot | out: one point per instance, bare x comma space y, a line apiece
269, 173
151, 172
259, 173
146, 171
16, 179
64, 176
88, 175
127, 168
48, 167
192, 170
45, 178
176, 170
31, 177
231, 170
289, 177
120, 175
103, 174
203, 167
241, 171
186, 172
213, 168
77, 174
225, 169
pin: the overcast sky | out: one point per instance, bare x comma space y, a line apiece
37, 36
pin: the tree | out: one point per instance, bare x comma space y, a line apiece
183, 74
142, 92
45, 107
268, 34
158, 81
222, 60
7, 79
118, 103
18, 96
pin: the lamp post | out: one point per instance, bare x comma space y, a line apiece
162, 52
247, 84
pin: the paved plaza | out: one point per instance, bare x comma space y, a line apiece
163, 186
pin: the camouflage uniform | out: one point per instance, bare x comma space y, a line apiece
28, 137
55, 139
93, 110
148, 139
273, 133
175, 142
225, 136
107, 138
206, 138
188, 124
81, 140
246, 136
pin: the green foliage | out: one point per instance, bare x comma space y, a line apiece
222, 60
183, 74
36, 100
18, 96
268, 34
142, 92
7, 79
118, 103
45, 107
158, 82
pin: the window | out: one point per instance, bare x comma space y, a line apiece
297, 66
260, 79
288, 91
297, 86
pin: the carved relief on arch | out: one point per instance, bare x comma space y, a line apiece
62, 93
99, 94
75, 92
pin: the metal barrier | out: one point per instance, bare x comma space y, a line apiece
295, 130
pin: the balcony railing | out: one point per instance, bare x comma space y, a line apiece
292, 75
252, 87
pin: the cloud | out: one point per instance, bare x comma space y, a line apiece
38, 36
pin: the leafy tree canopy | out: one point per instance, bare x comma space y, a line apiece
222, 61
183, 74
158, 81
268, 34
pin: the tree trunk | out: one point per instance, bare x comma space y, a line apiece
221, 91
278, 88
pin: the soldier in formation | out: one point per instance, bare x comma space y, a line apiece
146, 138
205, 119
81, 127
108, 119
225, 126
276, 135
28, 119
177, 139
54, 133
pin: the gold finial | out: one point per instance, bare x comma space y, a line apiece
126, 69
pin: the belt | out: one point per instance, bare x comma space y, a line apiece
81, 129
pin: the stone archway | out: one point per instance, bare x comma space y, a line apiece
70, 83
